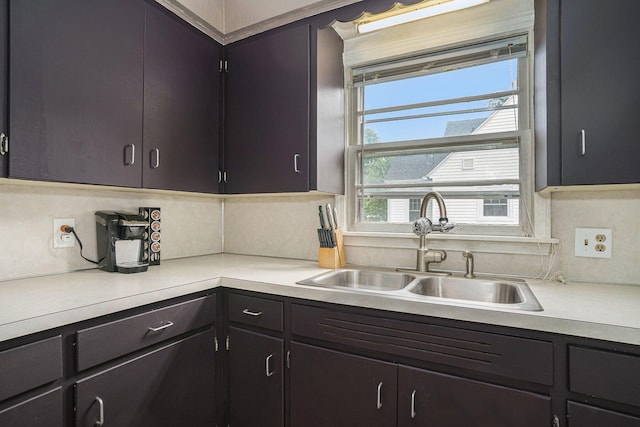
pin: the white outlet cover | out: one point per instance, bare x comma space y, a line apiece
60, 239
585, 243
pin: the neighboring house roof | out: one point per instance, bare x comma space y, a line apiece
415, 167
462, 127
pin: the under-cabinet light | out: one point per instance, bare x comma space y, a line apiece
424, 11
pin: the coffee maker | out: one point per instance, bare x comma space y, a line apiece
121, 238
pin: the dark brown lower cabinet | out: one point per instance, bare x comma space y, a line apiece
256, 390
331, 388
170, 386
589, 416
44, 410
428, 398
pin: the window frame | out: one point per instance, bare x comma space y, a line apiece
524, 136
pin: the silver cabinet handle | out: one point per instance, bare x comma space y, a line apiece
132, 160
296, 169
413, 404
379, 402
267, 361
289, 359
155, 160
4, 144
583, 142
100, 421
159, 328
251, 313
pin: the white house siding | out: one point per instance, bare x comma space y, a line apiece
398, 210
487, 164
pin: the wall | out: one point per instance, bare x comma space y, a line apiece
191, 224
285, 227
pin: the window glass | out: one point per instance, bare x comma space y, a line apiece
455, 130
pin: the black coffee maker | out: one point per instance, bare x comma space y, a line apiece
121, 238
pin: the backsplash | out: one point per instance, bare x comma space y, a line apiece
284, 226
191, 225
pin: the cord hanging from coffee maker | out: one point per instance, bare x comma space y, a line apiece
69, 229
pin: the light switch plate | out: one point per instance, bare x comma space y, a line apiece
61, 239
593, 242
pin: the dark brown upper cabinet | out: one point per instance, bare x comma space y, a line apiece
115, 93
587, 93
181, 134
284, 128
4, 57
75, 81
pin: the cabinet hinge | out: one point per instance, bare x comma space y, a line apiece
4, 144
227, 343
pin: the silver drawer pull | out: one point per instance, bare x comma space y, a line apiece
155, 162
131, 160
159, 328
379, 402
583, 142
413, 404
100, 421
267, 361
296, 168
251, 313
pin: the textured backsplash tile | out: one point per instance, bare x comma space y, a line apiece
191, 225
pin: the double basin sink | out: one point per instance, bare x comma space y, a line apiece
491, 293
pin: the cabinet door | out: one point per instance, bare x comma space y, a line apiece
431, 399
181, 105
4, 96
590, 416
330, 388
267, 113
256, 381
600, 91
76, 90
171, 386
44, 410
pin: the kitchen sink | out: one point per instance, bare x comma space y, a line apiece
372, 280
492, 293
508, 294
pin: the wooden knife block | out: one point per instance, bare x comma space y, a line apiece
328, 258
333, 257
340, 243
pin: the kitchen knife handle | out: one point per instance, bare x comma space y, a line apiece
296, 169
335, 217
329, 216
321, 214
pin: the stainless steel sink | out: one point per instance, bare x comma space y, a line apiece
371, 280
506, 294
490, 293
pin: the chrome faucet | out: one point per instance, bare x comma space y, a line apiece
424, 226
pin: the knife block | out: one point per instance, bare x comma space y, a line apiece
340, 246
328, 258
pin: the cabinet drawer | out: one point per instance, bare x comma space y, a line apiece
30, 366
511, 357
261, 312
105, 342
44, 410
590, 416
605, 375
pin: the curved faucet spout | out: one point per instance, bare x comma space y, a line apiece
443, 209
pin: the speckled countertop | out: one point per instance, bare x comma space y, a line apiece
607, 312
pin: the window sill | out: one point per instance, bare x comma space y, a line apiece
455, 242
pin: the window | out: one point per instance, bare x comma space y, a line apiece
455, 122
495, 207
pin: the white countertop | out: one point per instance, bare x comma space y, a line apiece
607, 312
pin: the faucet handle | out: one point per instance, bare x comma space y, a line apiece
422, 226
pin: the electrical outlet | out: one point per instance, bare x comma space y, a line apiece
60, 238
593, 242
